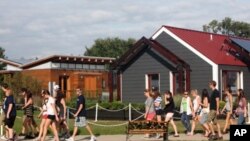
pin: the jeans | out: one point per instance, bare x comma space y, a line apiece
185, 119
241, 119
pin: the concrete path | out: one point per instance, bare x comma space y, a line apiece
183, 137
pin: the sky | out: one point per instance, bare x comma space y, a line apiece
39, 28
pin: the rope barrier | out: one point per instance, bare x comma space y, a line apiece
100, 107
113, 110
138, 117
136, 110
102, 125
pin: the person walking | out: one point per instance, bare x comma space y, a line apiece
228, 108
80, 117
241, 109
186, 111
43, 114
9, 108
29, 122
62, 109
204, 112
197, 109
52, 117
149, 108
214, 111
169, 110
158, 109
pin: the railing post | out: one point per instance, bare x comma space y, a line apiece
67, 120
1, 112
129, 112
96, 112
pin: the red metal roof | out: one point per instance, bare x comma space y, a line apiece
213, 46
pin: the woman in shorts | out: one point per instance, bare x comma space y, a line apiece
43, 114
228, 108
169, 110
197, 109
52, 117
149, 108
204, 112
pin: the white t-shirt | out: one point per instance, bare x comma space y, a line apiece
51, 101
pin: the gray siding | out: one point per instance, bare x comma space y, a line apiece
246, 77
133, 78
201, 72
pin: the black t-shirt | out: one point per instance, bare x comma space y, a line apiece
81, 100
215, 94
169, 108
9, 100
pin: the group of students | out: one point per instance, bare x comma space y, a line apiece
203, 109
52, 115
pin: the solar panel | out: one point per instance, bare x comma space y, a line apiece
242, 43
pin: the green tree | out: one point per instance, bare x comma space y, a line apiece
2, 50
228, 27
109, 47
18, 81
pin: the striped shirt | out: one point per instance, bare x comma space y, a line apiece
158, 100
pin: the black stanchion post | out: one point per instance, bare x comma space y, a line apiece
165, 135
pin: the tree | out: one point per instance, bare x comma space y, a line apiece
109, 47
2, 50
228, 27
18, 81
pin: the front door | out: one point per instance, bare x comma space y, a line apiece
90, 86
63, 83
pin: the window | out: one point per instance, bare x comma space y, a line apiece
85, 66
92, 67
153, 81
64, 65
180, 82
232, 80
72, 66
100, 67
78, 66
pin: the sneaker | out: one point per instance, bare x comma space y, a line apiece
93, 138
4, 138
69, 139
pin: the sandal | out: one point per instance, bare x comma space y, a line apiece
177, 135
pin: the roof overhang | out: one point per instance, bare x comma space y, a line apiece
143, 44
71, 59
9, 62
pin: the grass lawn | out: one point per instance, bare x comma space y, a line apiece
99, 130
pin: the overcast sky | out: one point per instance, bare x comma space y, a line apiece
38, 28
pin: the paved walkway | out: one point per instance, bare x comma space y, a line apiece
183, 137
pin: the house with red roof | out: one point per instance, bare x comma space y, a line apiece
179, 59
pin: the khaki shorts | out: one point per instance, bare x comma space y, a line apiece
80, 121
212, 117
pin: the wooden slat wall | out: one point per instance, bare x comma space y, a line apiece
75, 79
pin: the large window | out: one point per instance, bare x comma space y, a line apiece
232, 80
153, 81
